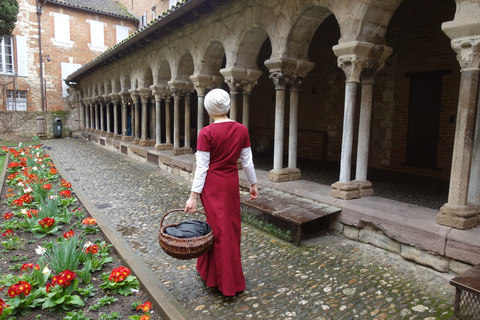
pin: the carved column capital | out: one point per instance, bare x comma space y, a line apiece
352, 65
468, 52
281, 80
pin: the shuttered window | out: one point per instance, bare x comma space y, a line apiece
17, 100
62, 28
22, 61
67, 69
122, 33
97, 38
6, 55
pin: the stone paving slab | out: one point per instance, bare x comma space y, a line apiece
329, 277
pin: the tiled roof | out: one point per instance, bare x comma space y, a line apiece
108, 7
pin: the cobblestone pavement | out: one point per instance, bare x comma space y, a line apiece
329, 277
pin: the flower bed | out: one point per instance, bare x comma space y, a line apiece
54, 262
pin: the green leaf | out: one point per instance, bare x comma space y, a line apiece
125, 291
76, 300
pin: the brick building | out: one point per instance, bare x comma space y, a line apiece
72, 33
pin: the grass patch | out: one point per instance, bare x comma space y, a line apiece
267, 227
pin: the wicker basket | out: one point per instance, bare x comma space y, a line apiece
183, 248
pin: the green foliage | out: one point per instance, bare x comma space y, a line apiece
102, 302
8, 16
88, 291
111, 316
64, 254
122, 287
76, 315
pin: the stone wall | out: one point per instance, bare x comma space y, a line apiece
28, 123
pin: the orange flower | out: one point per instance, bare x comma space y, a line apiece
89, 221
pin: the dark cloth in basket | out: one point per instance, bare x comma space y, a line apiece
189, 229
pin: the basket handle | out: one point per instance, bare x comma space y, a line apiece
176, 210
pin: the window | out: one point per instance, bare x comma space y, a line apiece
67, 69
143, 20
6, 55
17, 100
97, 37
62, 29
122, 33
172, 3
154, 12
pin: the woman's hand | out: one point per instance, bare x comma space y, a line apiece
253, 191
191, 204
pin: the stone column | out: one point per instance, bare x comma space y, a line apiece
457, 213
82, 115
177, 96
153, 121
293, 127
125, 96
158, 92
280, 82
135, 116
200, 108
233, 85
247, 87
87, 115
92, 116
144, 97
474, 184
168, 124
352, 58
116, 125
108, 128
97, 117
187, 147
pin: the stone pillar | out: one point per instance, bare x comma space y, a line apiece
115, 98
97, 117
200, 108
247, 87
135, 116
108, 126
177, 96
233, 85
280, 86
474, 184
168, 124
87, 115
92, 116
293, 128
352, 58
153, 121
82, 115
457, 213
144, 97
158, 92
187, 147
125, 98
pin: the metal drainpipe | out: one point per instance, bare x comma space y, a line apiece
42, 88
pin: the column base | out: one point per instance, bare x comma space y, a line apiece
285, 174
160, 146
143, 143
136, 141
103, 133
345, 190
459, 217
187, 150
168, 146
365, 188
117, 136
127, 138
109, 134
178, 151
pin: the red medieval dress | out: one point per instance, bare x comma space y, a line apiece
221, 266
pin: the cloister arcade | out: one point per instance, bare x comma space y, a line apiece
385, 83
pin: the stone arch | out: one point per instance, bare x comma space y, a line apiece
164, 73
107, 86
303, 30
126, 82
365, 22
116, 85
185, 67
213, 58
248, 48
146, 78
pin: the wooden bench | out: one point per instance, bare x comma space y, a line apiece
302, 217
467, 294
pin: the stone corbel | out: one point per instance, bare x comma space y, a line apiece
144, 94
468, 53
157, 91
353, 57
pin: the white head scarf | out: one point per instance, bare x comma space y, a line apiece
217, 102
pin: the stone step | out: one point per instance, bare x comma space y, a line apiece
304, 218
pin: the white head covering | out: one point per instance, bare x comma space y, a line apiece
217, 102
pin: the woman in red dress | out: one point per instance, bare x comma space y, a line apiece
219, 146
